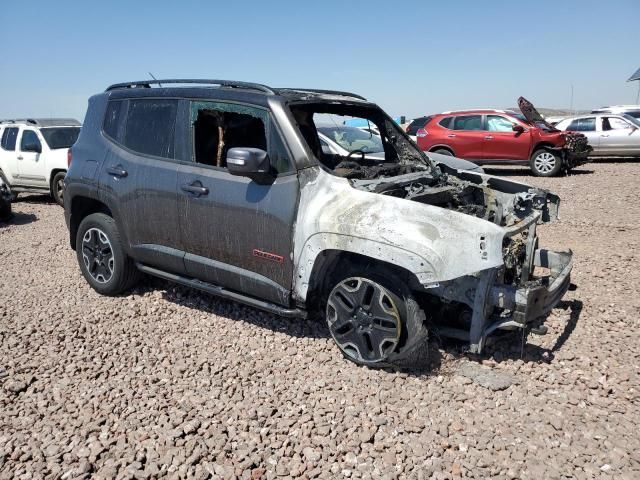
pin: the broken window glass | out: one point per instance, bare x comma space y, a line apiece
220, 126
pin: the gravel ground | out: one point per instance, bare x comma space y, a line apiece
167, 381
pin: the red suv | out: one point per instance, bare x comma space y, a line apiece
504, 137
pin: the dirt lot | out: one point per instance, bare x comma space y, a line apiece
167, 381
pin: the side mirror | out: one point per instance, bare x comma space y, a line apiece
250, 162
517, 128
32, 147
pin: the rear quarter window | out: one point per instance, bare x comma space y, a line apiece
113, 118
445, 122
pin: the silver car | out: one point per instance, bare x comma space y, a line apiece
610, 135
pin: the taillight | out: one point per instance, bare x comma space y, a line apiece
69, 157
421, 133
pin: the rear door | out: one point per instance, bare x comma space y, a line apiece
502, 143
467, 137
9, 156
237, 233
618, 137
139, 175
31, 164
587, 126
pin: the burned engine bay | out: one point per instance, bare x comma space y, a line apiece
473, 195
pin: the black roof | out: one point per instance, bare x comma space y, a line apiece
254, 92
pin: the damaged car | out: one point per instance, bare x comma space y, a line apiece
225, 187
499, 137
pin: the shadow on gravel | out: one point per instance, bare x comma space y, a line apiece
204, 302
523, 172
35, 198
19, 219
510, 346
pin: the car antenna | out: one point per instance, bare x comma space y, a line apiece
151, 75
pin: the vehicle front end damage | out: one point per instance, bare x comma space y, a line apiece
572, 147
527, 283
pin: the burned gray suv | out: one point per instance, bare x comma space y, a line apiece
224, 186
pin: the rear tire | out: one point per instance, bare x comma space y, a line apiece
443, 151
375, 319
57, 188
545, 163
14, 195
102, 257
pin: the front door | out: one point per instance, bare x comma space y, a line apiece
237, 234
619, 137
502, 143
31, 164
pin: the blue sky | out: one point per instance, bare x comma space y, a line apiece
409, 57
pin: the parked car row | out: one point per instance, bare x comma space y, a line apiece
495, 137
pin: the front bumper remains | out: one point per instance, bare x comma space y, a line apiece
521, 305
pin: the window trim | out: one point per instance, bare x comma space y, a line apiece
267, 131
37, 134
122, 129
482, 122
15, 145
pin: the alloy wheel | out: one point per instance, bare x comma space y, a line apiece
363, 319
545, 162
97, 255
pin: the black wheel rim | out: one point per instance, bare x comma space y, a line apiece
363, 320
97, 255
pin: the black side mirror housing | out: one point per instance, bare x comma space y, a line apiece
32, 147
250, 162
517, 128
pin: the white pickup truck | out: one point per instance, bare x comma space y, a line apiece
33, 154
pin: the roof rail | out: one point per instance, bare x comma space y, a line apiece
222, 83
20, 120
328, 92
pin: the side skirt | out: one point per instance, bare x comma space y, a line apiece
224, 293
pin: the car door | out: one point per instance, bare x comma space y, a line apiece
237, 233
139, 175
31, 159
9, 155
467, 137
618, 137
587, 126
501, 142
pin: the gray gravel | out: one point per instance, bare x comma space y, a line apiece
170, 382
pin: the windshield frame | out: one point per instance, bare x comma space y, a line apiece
397, 144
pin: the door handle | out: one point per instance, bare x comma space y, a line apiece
488, 137
451, 135
604, 135
196, 188
117, 171
20, 157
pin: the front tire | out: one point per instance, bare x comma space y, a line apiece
102, 257
57, 188
545, 163
375, 320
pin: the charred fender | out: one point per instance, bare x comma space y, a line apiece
434, 244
